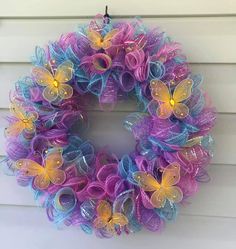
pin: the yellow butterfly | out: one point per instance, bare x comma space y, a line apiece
171, 103
55, 84
164, 190
108, 220
44, 175
98, 42
24, 120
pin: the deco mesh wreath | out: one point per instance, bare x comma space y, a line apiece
94, 189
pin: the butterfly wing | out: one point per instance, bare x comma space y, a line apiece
42, 181
15, 129
164, 110
183, 90
146, 181
180, 110
170, 175
110, 228
99, 223
108, 37
158, 198
104, 214
18, 126
104, 210
53, 161
31, 168
65, 91
119, 219
160, 91
50, 93
56, 176
42, 76
174, 194
95, 39
64, 72
17, 111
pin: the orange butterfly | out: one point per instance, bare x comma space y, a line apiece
171, 103
161, 191
108, 220
98, 42
24, 121
55, 84
44, 175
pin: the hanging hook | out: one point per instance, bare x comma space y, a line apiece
106, 12
106, 16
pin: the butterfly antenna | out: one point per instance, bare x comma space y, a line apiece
106, 16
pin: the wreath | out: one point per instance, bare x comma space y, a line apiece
93, 188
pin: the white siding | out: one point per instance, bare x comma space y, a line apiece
207, 30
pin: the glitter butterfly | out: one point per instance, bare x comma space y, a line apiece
24, 121
108, 220
44, 175
99, 42
55, 84
169, 103
161, 191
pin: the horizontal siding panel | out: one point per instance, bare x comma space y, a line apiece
206, 202
105, 128
208, 40
206, 30
219, 81
53, 8
29, 228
